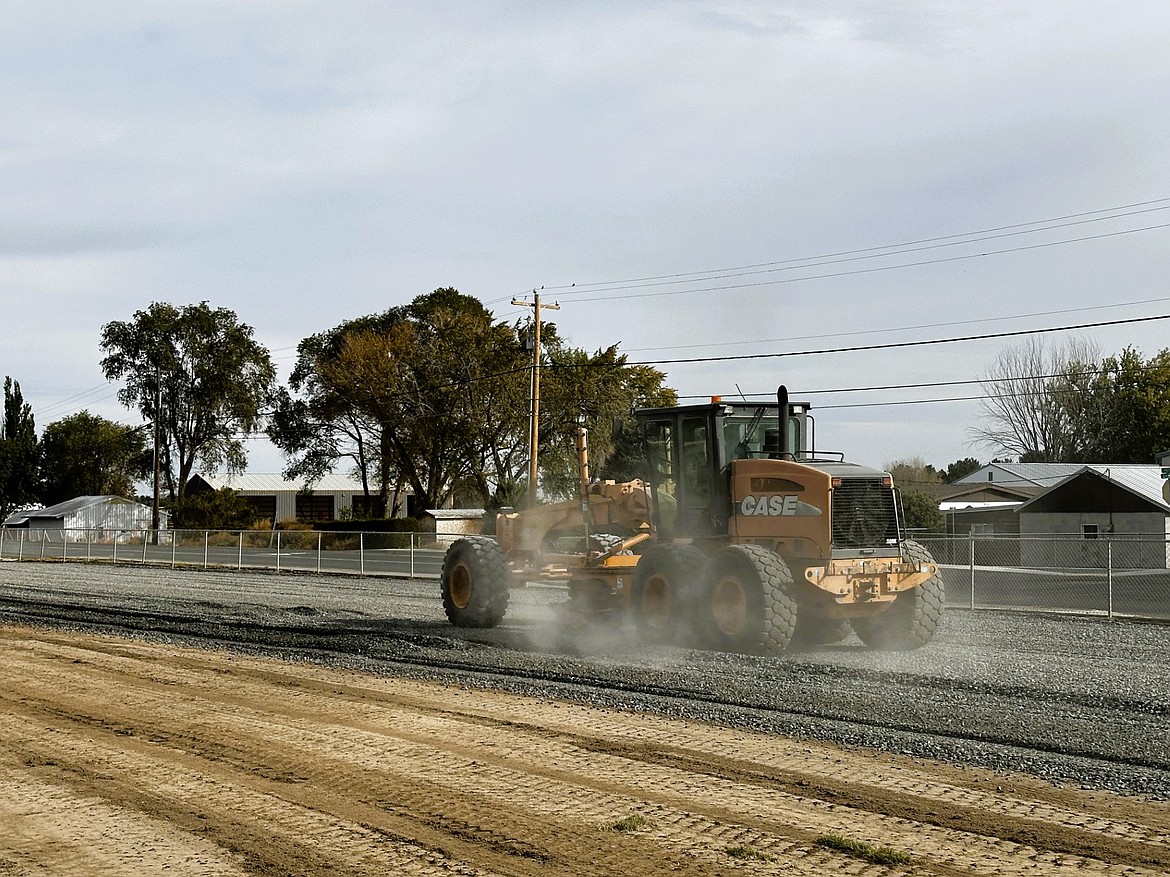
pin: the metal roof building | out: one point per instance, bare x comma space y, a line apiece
275, 498
86, 518
1073, 522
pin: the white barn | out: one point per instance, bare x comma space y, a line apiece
87, 518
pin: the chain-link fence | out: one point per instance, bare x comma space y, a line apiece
1115, 576
411, 555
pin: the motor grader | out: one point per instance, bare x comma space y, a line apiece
739, 537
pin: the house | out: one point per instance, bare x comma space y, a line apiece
275, 498
983, 508
87, 519
1021, 476
1120, 509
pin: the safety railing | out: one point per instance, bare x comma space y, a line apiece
1115, 576
1119, 575
408, 555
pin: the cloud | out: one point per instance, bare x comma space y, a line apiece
306, 163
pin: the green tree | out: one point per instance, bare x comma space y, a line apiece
212, 378
19, 452
591, 390
1132, 395
960, 469
1067, 405
911, 473
921, 511
87, 455
435, 395
222, 509
421, 395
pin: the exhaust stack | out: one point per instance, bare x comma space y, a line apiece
783, 451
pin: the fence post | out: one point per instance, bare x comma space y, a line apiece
174, 546
20, 546
240, 552
64, 545
114, 549
278, 550
88, 545
362, 552
319, 535
412, 535
206, 544
44, 539
972, 561
145, 542
1109, 574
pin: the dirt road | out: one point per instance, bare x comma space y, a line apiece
124, 757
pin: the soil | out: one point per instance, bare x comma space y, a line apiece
120, 756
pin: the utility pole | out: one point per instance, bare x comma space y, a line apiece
534, 408
154, 509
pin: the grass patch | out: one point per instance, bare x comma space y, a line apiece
631, 823
750, 854
861, 850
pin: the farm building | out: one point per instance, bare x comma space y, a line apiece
1119, 508
983, 508
275, 498
87, 518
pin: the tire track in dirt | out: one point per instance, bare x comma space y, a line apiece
495, 778
903, 796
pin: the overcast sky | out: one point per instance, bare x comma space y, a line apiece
307, 163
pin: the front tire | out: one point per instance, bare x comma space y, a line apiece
474, 583
913, 619
662, 591
747, 601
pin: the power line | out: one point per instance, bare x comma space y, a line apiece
817, 263
903, 344
878, 268
887, 250
942, 325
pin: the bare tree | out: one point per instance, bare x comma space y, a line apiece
1039, 402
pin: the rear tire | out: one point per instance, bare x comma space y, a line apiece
662, 593
474, 583
747, 601
913, 619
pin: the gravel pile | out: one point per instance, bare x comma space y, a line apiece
1082, 701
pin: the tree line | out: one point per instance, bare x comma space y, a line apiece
434, 396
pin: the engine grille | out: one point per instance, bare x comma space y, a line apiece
864, 514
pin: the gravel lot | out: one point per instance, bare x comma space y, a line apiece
1072, 700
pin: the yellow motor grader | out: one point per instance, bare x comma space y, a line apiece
740, 537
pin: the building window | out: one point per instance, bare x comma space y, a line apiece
1089, 531
263, 507
314, 508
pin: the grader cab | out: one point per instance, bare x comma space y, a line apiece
739, 537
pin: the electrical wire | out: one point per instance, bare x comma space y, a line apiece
893, 345
944, 325
868, 252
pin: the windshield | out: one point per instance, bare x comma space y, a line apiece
746, 429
